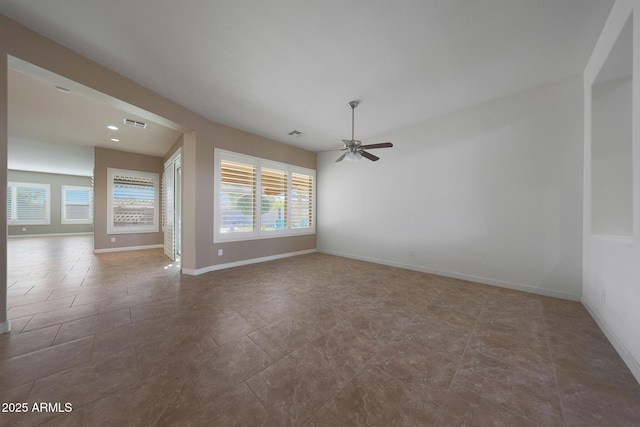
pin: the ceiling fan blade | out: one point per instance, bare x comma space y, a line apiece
369, 156
342, 157
380, 145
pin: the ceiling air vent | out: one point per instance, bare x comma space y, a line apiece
135, 123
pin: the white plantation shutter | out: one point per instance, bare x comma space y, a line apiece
257, 198
274, 207
10, 215
92, 197
168, 211
237, 197
302, 201
31, 204
28, 203
77, 205
133, 202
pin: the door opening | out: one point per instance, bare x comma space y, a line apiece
172, 206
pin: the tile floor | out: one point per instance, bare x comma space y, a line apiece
314, 340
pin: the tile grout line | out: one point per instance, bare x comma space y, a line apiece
62, 322
365, 366
274, 418
460, 363
524, 417
288, 354
193, 386
258, 399
56, 337
93, 346
553, 364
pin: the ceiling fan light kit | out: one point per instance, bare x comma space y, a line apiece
353, 156
353, 149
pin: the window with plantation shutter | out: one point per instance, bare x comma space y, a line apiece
133, 202
274, 199
257, 198
237, 199
77, 205
28, 204
301, 200
9, 203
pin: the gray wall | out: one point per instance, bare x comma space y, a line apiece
490, 194
104, 159
56, 181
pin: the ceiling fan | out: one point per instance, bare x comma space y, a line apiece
353, 149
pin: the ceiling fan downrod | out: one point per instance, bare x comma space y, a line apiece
353, 105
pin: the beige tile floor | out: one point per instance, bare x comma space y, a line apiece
314, 340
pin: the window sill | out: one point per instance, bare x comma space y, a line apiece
239, 238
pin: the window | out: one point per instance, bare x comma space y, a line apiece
273, 199
256, 198
28, 204
301, 200
77, 205
237, 197
133, 202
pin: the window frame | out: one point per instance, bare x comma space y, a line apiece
13, 212
63, 204
258, 231
141, 229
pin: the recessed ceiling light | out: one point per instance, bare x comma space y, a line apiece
112, 127
115, 139
63, 89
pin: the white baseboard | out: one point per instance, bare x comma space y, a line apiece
199, 271
626, 356
461, 276
5, 327
510, 285
127, 248
87, 233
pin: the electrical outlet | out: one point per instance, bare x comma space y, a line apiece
113, 240
24, 228
603, 296
220, 252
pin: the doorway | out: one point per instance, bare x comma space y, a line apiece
172, 206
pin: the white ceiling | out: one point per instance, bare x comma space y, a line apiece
270, 67
53, 131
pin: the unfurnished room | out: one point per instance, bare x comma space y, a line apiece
297, 213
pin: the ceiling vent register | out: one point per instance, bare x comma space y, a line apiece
135, 123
